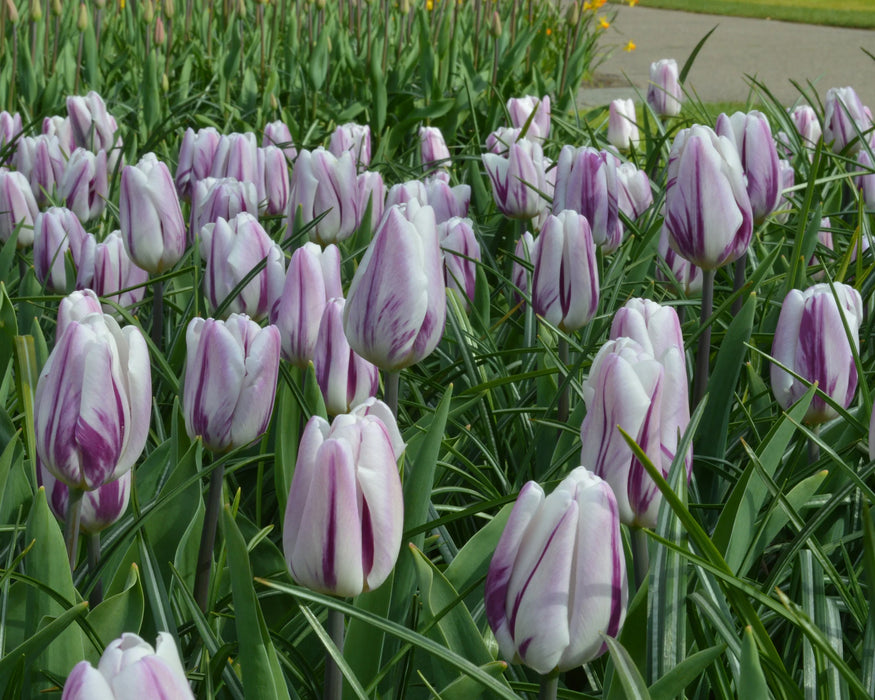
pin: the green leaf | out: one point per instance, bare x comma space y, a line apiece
466, 688
27, 376
8, 325
120, 613
751, 681
868, 656
151, 93
626, 671
317, 68
673, 683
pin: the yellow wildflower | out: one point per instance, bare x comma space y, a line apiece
603, 22
632, 3
121, 4
549, 31
630, 46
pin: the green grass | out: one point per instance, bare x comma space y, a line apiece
839, 13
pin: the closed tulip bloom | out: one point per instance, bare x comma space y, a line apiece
625, 388
130, 668
278, 134
345, 512
231, 249
707, 209
273, 181
56, 231
664, 92
325, 184
396, 306
788, 179
221, 198
18, 208
74, 307
93, 402
623, 125
520, 111
344, 378
807, 124
518, 179
810, 340
371, 189
231, 370
85, 186
752, 137
634, 195
404, 192
312, 279
195, 162
500, 140
40, 160
10, 128
865, 182
565, 283
682, 272
586, 182
236, 156
824, 238
93, 127
525, 250
461, 256
433, 151
846, 120
107, 269
447, 202
61, 128
100, 508
150, 218
557, 580
354, 138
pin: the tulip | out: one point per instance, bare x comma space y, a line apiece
195, 162
404, 192
85, 186
236, 156
131, 668
344, 378
461, 257
100, 508
231, 370
10, 128
707, 210
150, 217
447, 202
312, 279
221, 199
40, 160
433, 152
811, 341
396, 307
500, 140
106, 268
55, 232
278, 134
325, 184
865, 182
74, 307
586, 182
752, 137
521, 109
62, 129
623, 125
557, 580
93, 127
525, 251
345, 512
18, 208
371, 190
518, 179
824, 237
93, 402
788, 179
273, 180
807, 124
681, 271
634, 195
231, 249
565, 283
846, 121
355, 138
664, 92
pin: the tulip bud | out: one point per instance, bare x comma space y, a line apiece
623, 125
664, 92
345, 512
85, 184
495, 25
810, 341
150, 217
169, 9
461, 256
231, 370
36, 11
106, 268
57, 8
404, 192
707, 209
195, 162
93, 402
231, 249
518, 179
40, 160
273, 180
75, 307
500, 140
278, 134
236, 156
845, 120
557, 580
160, 34
371, 190
100, 507
10, 128
396, 307
93, 127
130, 665
222, 198
100, 4
81, 20
312, 279
55, 232
433, 151
165, 83
12, 10
681, 271
148, 11
520, 110
355, 138
18, 208
447, 202
572, 16
634, 195
807, 124
62, 129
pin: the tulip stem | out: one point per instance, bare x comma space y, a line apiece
96, 596
738, 283
390, 392
640, 556
563, 381
333, 677
703, 352
813, 447
208, 538
157, 312
71, 524
549, 686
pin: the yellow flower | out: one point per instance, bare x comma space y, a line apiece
587, 5
429, 5
630, 46
599, 3
121, 4
632, 3
549, 31
603, 22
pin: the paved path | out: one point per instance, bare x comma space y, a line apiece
774, 52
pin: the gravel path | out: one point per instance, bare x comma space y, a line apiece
774, 52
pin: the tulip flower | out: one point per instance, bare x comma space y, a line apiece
40, 160
811, 341
623, 125
865, 182
312, 279
60, 128
807, 124
150, 218
586, 182
525, 250
461, 256
565, 283
634, 195
56, 231
10, 128
236, 156
231, 370
752, 137
518, 179
824, 238
520, 110
74, 307
100, 508
18, 208
447, 202
371, 190
846, 121
106, 268
788, 179
84, 186
94, 128
405, 192
231, 249
345, 512
273, 181
345, 378
221, 199
682, 271
93, 402
433, 152
129, 668
500, 140
325, 184
195, 162
557, 580
278, 134
664, 92
396, 306
354, 138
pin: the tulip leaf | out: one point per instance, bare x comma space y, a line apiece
8, 324
262, 675
751, 681
625, 669
472, 561
868, 654
120, 613
288, 420
363, 647
466, 688
27, 376
633, 637
673, 683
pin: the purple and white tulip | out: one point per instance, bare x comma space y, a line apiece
273, 181
846, 121
433, 151
236, 156
518, 178
355, 139
107, 269
10, 128
623, 125
94, 128
100, 508
224, 198
461, 256
195, 162
371, 189
525, 250
500, 140
18, 208
278, 134
683, 273
664, 92
61, 128
74, 307
807, 124
520, 110
56, 231
85, 186
447, 202
40, 160
634, 195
